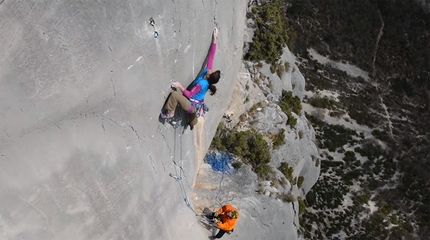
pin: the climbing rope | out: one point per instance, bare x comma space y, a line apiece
219, 190
219, 163
180, 166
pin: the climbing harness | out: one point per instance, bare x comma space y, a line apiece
201, 107
179, 178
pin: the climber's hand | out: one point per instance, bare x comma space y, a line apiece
215, 33
176, 85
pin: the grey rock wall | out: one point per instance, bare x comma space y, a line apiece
82, 152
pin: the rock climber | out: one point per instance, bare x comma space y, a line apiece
225, 219
191, 100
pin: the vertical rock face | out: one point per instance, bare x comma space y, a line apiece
83, 153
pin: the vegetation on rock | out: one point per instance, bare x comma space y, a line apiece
279, 139
288, 104
271, 32
286, 170
249, 145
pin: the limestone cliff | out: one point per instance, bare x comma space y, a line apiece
83, 153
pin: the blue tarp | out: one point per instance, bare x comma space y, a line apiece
219, 162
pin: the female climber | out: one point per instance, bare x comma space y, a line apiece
191, 100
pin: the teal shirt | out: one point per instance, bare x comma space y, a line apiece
204, 84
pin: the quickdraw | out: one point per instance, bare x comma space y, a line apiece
201, 107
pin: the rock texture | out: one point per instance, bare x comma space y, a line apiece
83, 153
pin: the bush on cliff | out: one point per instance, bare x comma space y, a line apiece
271, 33
249, 145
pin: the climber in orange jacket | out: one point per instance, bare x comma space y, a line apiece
225, 218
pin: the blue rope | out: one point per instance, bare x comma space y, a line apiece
219, 162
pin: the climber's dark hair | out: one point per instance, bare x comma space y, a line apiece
213, 89
213, 79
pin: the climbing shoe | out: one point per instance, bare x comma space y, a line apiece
167, 115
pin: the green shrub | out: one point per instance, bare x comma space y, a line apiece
287, 171
294, 182
401, 85
292, 121
302, 206
289, 103
383, 136
249, 145
271, 34
265, 172
386, 209
273, 68
331, 136
324, 102
349, 156
236, 165
300, 181
279, 139
370, 150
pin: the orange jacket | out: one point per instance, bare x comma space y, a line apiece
227, 223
